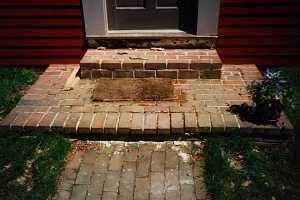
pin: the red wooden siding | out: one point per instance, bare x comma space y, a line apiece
259, 31
40, 31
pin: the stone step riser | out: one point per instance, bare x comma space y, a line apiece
142, 63
189, 42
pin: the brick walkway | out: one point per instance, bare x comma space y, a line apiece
58, 101
140, 171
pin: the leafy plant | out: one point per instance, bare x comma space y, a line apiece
270, 95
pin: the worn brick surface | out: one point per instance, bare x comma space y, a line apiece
98, 123
71, 123
34, 120
164, 123
177, 123
137, 123
150, 123
191, 122
188, 74
204, 123
111, 123
124, 123
217, 123
165, 170
166, 74
85, 123
59, 121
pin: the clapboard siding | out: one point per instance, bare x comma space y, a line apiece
41, 32
260, 32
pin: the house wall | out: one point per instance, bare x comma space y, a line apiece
259, 31
40, 32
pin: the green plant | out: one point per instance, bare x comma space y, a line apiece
270, 95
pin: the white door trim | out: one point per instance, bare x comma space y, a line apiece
96, 23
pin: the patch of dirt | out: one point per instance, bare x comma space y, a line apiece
145, 89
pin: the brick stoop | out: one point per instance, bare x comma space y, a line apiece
155, 62
56, 104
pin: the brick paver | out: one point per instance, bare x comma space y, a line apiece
200, 106
105, 173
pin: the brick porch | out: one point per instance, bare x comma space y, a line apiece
59, 101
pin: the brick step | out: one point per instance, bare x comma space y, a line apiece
146, 63
140, 125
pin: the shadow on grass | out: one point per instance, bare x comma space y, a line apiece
30, 164
240, 169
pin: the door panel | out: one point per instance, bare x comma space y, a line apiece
166, 3
142, 14
130, 3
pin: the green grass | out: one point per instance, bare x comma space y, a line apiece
237, 169
30, 165
13, 80
293, 76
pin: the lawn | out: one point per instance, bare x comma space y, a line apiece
13, 81
240, 169
29, 162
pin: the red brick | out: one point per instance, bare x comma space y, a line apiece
111, 64
122, 74
210, 74
204, 124
197, 53
71, 122
47, 120
89, 62
178, 64
188, 74
101, 73
124, 123
144, 74
191, 122
156, 64
177, 123
59, 121
195, 57
98, 123
217, 123
150, 123
201, 64
231, 123
166, 74
158, 53
137, 123
20, 120
138, 64
34, 120
85, 123
111, 123
166, 57
163, 123
6, 122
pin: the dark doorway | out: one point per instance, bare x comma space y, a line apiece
152, 14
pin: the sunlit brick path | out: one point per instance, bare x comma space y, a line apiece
60, 101
134, 170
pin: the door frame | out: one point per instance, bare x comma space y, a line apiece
96, 22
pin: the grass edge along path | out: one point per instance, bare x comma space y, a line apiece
31, 164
